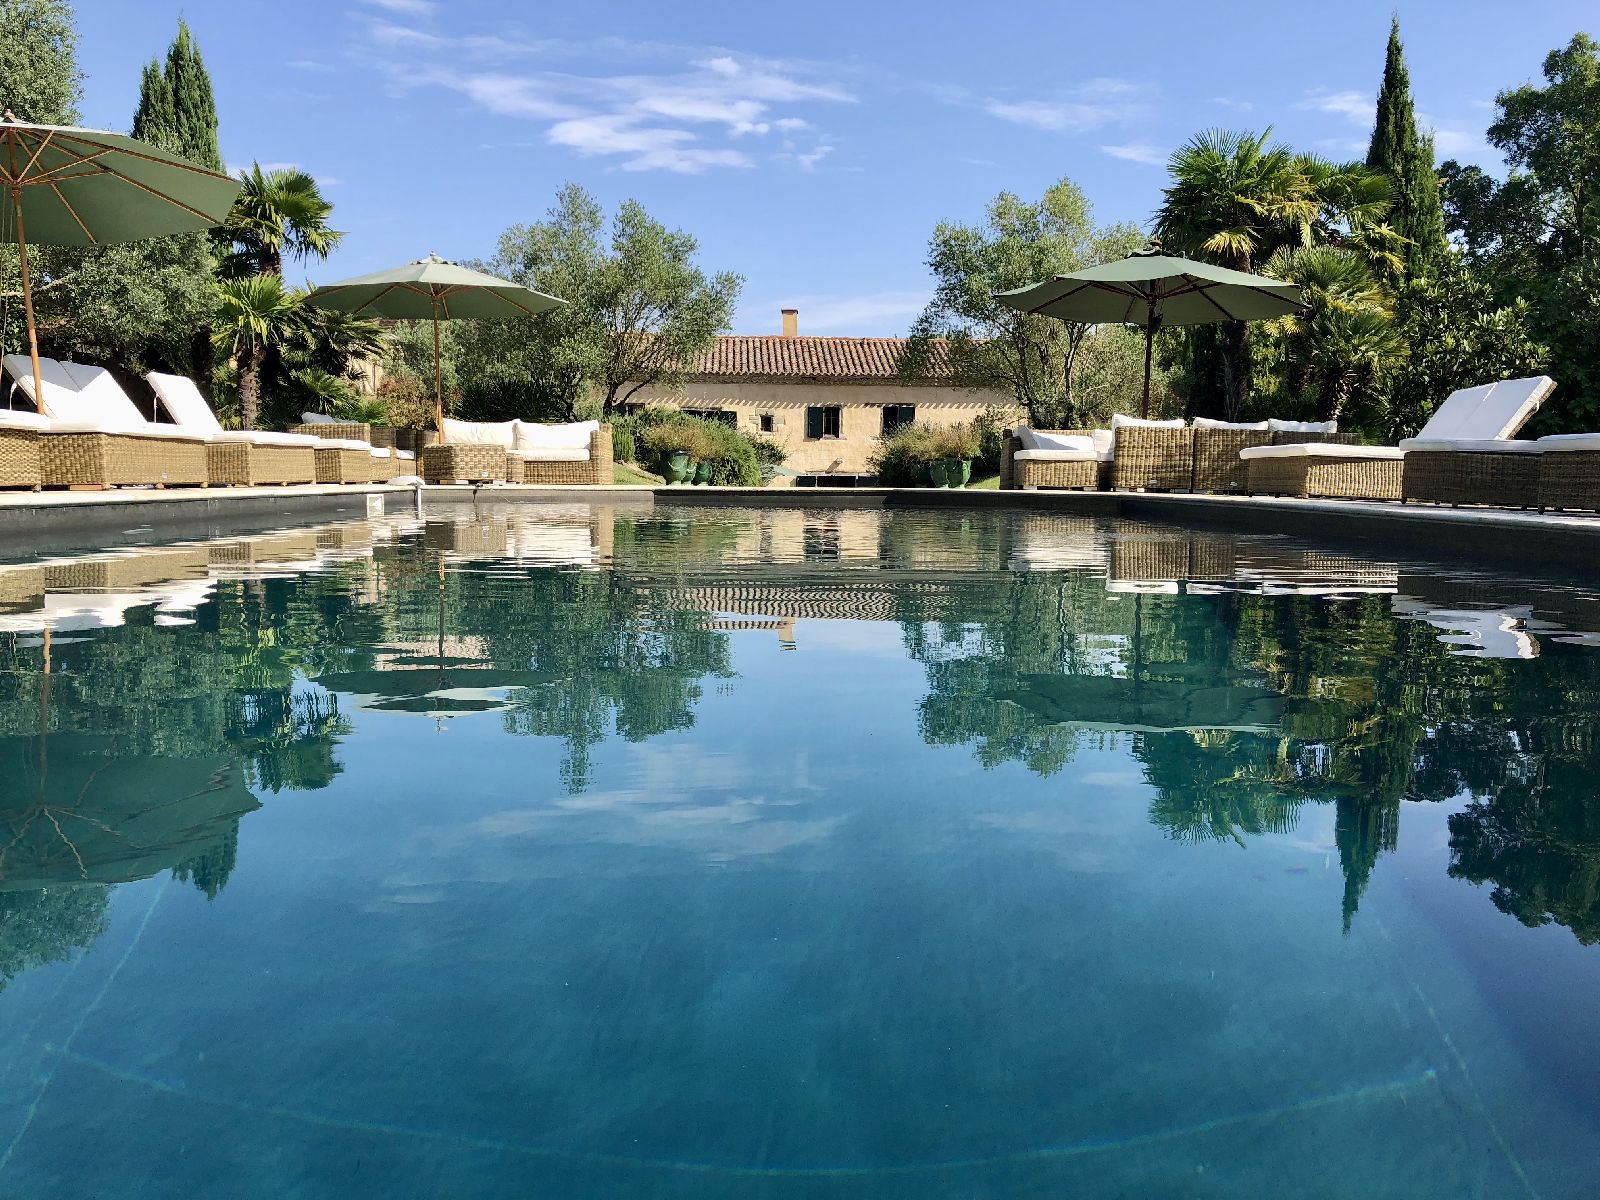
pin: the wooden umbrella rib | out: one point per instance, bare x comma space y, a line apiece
1205, 294
132, 182
43, 142
73, 213
180, 164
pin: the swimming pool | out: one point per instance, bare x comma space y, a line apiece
571, 850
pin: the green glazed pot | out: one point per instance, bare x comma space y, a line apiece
702, 473
950, 469
680, 467
922, 475
966, 471
939, 473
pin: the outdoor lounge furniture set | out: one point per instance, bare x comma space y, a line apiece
577, 453
85, 433
1139, 455
1463, 455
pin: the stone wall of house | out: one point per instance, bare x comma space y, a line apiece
860, 409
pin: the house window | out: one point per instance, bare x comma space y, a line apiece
896, 415
713, 414
822, 421
767, 423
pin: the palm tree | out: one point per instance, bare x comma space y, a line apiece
1236, 199
278, 213
253, 313
1345, 334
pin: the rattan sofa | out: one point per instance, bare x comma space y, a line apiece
1217, 466
594, 470
577, 453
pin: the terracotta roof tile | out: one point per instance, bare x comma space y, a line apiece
788, 359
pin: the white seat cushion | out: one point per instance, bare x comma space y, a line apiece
341, 444
554, 454
262, 437
1321, 450
1469, 445
406, 455
1105, 443
1248, 426
1569, 441
1085, 454
14, 418
382, 452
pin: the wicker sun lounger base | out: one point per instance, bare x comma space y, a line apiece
1569, 479
1476, 477
19, 459
336, 465
462, 462
245, 465
102, 460
1323, 476
1082, 474
383, 467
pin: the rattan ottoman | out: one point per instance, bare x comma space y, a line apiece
1504, 479
337, 464
19, 458
1081, 474
245, 465
1327, 476
463, 462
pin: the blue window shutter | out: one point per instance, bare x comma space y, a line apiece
813, 422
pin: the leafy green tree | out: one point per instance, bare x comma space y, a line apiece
638, 311
156, 119
38, 61
49, 925
193, 101
986, 346
253, 315
1406, 157
1536, 235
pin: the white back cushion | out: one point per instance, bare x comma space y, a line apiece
530, 435
101, 398
1026, 436
1278, 426
1105, 441
480, 433
307, 418
1062, 441
183, 402
60, 389
1491, 410
1119, 421
1253, 426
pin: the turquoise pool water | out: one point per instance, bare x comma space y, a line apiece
568, 851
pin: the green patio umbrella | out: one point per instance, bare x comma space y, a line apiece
88, 187
1151, 290
433, 288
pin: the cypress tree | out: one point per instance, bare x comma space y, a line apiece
1407, 157
194, 102
156, 120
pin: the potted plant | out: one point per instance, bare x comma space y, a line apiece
958, 446
673, 445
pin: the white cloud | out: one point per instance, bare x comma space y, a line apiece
1093, 105
1233, 105
1455, 143
404, 8
1359, 108
680, 116
1139, 152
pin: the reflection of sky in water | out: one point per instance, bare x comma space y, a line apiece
1015, 884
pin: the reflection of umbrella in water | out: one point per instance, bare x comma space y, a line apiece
90, 814
1147, 705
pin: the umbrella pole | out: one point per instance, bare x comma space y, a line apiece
438, 377
1149, 347
27, 301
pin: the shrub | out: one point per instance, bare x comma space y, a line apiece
990, 427
956, 441
658, 433
623, 446
898, 456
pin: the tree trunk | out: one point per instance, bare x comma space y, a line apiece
250, 387
1235, 368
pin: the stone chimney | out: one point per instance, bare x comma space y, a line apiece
791, 322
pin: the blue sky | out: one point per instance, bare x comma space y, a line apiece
809, 146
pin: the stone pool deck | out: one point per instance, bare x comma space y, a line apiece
1496, 539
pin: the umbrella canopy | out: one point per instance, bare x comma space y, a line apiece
1151, 289
434, 289
89, 187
